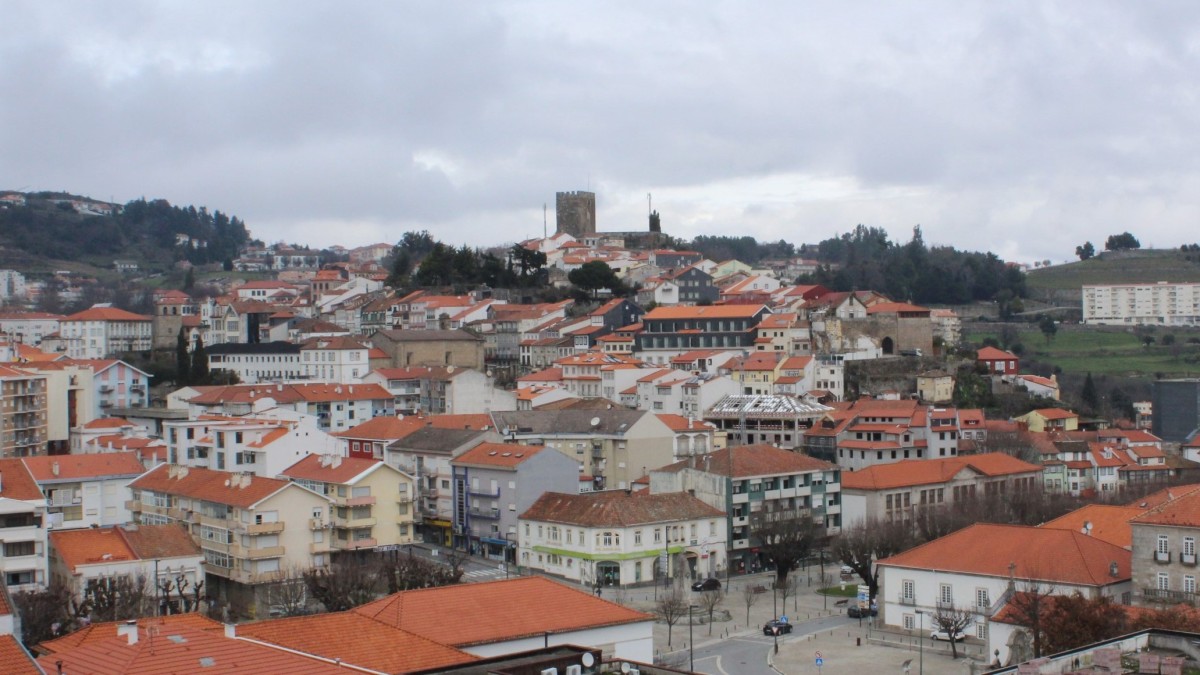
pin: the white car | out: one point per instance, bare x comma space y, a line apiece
847, 570
942, 634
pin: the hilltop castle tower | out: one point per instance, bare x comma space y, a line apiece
575, 213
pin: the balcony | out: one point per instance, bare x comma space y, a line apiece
265, 528
317, 524
740, 521
355, 501
1159, 595
1188, 559
490, 514
266, 552
133, 504
244, 577
1162, 556
355, 544
741, 543
317, 548
484, 492
105, 388
908, 600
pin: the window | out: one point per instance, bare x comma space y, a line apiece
981, 598
1189, 584
1189, 546
908, 590
637, 538
910, 622
1164, 581
946, 594
13, 549
1163, 544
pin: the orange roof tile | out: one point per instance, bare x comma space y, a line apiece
1182, 511
1164, 495
76, 467
361, 641
160, 541
758, 459
910, 472
527, 606
681, 423
108, 423
339, 470
617, 508
209, 485
497, 455
106, 629
704, 312
106, 314
1057, 556
1107, 522
16, 660
90, 546
16, 482
993, 354
1054, 413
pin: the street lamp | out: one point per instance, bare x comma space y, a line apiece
691, 643
921, 635
507, 548
775, 609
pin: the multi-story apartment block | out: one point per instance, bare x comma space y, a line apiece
115, 384
262, 446
336, 406
779, 420
371, 502
748, 479
103, 331
671, 331
251, 529
1154, 304
29, 327
22, 531
23, 422
85, 490
615, 538
260, 362
494, 483
335, 359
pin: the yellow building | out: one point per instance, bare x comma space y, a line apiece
1050, 419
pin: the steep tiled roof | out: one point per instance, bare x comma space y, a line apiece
106, 314
911, 472
1057, 556
1054, 413
90, 546
993, 354
759, 459
182, 649
330, 469
76, 467
1164, 495
16, 482
108, 423
151, 542
497, 455
703, 312
1182, 511
361, 641
214, 486
105, 630
522, 607
618, 508
383, 428
16, 660
1103, 521
681, 423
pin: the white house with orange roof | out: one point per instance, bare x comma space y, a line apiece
107, 426
162, 555
1036, 385
86, 490
692, 436
335, 359
265, 290
440, 390
900, 490
659, 390
978, 568
103, 331
533, 396
263, 446
22, 511
335, 406
581, 373
784, 332
372, 503
29, 327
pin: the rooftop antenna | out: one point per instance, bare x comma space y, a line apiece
543, 220
649, 205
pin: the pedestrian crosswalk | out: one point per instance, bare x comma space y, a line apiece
484, 574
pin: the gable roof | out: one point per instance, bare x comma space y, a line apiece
1045, 554
759, 459
1105, 522
704, 312
117, 544
522, 607
16, 660
497, 455
1182, 511
618, 508
209, 485
106, 629
993, 354
16, 482
331, 468
910, 472
53, 468
105, 314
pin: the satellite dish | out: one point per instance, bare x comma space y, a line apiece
595, 421
624, 667
1087, 527
588, 660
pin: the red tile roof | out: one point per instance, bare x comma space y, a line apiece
1057, 556
151, 542
1182, 511
910, 472
702, 312
618, 508
497, 455
1103, 521
16, 482
1164, 495
759, 459
90, 546
520, 608
214, 486
16, 660
681, 423
77, 467
993, 354
331, 468
106, 314
105, 630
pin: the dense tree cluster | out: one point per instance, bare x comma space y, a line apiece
866, 259
420, 260
746, 249
1121, 242
142, 228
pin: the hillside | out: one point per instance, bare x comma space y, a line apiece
1110, 267
44, 231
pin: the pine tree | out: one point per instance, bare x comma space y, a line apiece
189, 279
1091, 399
199, 363
183, 360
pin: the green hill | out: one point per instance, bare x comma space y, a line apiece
1112, 267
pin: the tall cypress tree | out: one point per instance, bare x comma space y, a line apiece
183, 360
1091, 399
199, 363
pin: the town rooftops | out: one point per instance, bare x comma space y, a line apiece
1043, 554
331, 468
618, 508
104, 630
242, 490
759, 459
497, 455
99, 313
1182, 511
16, 482
704, 312
55, 468
912, 472
91, 546
1105, 522
16, 660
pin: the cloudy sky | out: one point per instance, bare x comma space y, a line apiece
1024, 128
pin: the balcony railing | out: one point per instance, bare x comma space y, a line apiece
264, 528
266, 552
1162, 556
494, 493
1188, 559
492, 514
908, 600
1165, 596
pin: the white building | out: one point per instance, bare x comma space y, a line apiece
263, 446
29, 327
335, 359
614, 537
1157, 304
104, 330
22, 537
85, 490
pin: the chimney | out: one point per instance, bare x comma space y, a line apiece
54, 468
230, 630
130, 630
336, 461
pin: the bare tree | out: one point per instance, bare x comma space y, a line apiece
46, 614
785, 589
749, 597
404, 573
709, 600
289, 596
117, 598
785, 537
671, 607
1029, 604
953, 620
860, 546
342, 586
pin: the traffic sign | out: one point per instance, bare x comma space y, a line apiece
820, 661
818, 655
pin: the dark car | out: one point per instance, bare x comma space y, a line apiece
856, 612
710, 584
777, 627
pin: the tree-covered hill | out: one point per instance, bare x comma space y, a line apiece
63, 227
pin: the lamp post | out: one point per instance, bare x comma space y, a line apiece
775, 610
508, 547
921, 635
691, 643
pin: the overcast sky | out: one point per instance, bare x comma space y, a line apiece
1023, 128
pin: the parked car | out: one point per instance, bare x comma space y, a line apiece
943, 634
847, 571
856, 612
709, 584
777, 627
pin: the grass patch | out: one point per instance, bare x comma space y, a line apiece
851, 590
1112, 351
1142, 266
